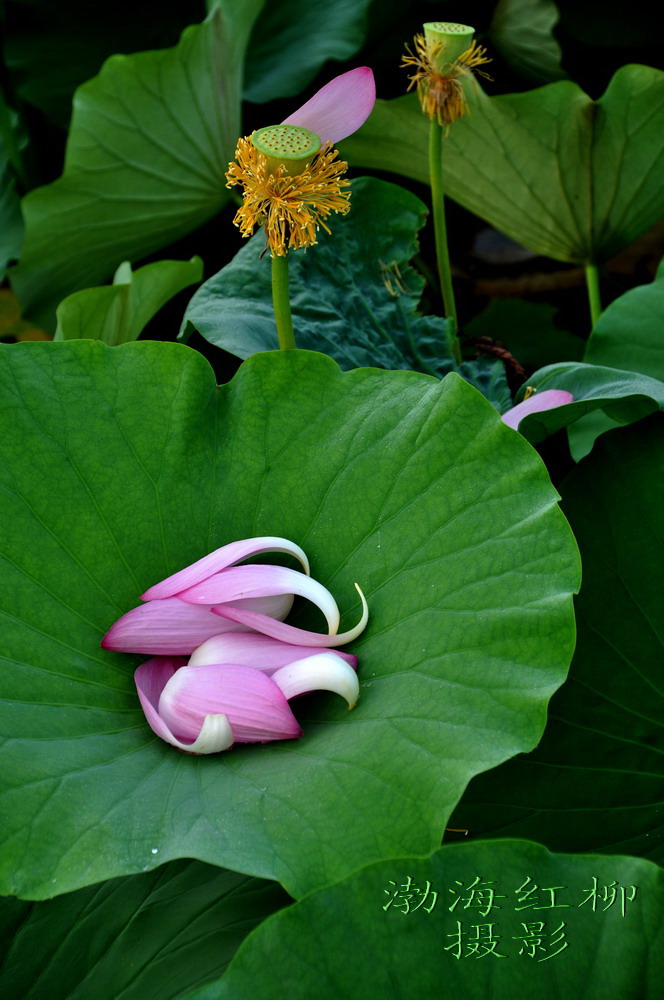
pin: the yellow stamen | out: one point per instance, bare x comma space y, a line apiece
439, 84
290, 208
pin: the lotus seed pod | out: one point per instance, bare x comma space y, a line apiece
454, 39
288, 145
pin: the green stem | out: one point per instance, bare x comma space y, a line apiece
592, 282
281, 303
440, 231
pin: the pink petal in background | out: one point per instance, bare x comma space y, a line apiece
340, 107
539, 401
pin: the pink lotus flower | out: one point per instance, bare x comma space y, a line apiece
291, 178
539, 401
237, 683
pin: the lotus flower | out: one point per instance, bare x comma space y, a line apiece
236, 686
290, 176
539, 401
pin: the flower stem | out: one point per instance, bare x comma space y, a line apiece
440, 231
281, 303
592, 282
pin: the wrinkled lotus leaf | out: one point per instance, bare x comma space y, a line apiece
122, 465
354, 296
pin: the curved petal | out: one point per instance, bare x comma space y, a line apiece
546, 400
340, 107
172, 627
262, 581
289, 633
220, 559
255, 707
323, 672
151, 677
249, 649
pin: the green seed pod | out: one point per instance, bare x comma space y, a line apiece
290, 145
454, 38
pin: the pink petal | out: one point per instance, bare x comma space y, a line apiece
258, 651
322, 672
151, 678
546, 400
262, 581
289, 633
340, 107
219, 559
255, 706
172, 627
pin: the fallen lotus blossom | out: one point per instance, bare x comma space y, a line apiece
240, 676
547, 400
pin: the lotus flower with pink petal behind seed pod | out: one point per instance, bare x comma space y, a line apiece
237, 683
290, 174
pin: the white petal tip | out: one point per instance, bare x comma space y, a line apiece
322, 672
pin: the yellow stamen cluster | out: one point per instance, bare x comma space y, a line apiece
440, 84
290, 208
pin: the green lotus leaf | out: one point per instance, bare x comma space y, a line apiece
11, 221
624, 396
291, 41
150, 141
594, 782
629, 334
473, 920
152, 936
122, 465
118, 313
566, 176
522, 32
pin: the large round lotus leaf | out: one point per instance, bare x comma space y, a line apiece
121, 465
